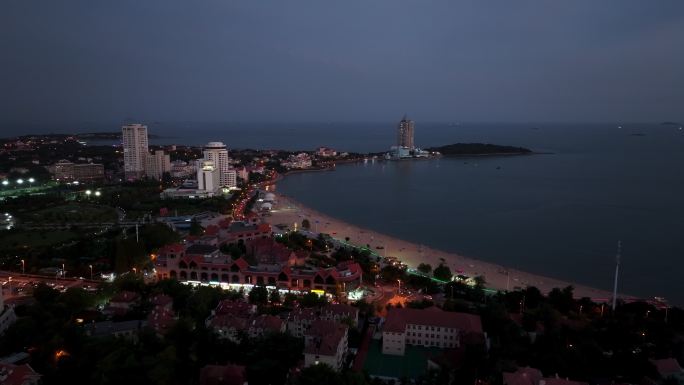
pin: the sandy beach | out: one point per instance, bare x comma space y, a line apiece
288, 211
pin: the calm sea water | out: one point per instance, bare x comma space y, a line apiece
558, 214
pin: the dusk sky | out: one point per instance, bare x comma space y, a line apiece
370, 60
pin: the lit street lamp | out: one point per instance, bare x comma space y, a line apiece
88, 192
91, 272
63, 271
20, 181
23, 267
97, 193
5, 182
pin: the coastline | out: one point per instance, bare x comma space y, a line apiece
287, 211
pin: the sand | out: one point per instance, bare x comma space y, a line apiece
287, 211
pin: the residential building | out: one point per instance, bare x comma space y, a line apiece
218, 153
181, 169
135, 148
208, 178
231, 179
65, 170
157, 164
18, 375
128, 330
431, 327
532, 376
405, 133
325, 343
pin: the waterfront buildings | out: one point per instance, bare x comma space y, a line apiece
431, 327
65, 170
157, 164
405, 133
325, 152
135, 148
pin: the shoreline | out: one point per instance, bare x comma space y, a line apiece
288, 210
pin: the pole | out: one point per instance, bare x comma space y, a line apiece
137, 237
617, 273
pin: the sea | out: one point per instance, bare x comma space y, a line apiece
560, 212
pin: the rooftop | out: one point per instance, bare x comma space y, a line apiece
397, 319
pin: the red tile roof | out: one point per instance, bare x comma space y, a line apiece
433, 316
229, 322
236, 308
161, 300
667, 366
268, 323
161, 319
523, 376
562, 381
211, 230
172, 248
324, 337
17, 374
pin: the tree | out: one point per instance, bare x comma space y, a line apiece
306, 224
274, 297
425, 268
258, 295
319, 374
196, 228
442, 272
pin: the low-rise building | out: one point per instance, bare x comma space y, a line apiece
325, 343
431, 327
65, 170
128, 330
7, 315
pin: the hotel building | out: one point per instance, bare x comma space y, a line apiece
135, 148
157, 164
218, 153
405, 134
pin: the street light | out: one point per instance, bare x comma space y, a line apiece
91, 272
63, 271
97, 193
20, 181
23, 267
88, 192
5, 182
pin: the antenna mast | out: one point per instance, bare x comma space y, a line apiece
617, 273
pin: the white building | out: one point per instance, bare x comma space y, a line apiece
231, 179
430, 327
157, 164
325, 343
135, 148
218, 153
181, 169
207, 176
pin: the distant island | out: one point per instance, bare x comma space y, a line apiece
467, 149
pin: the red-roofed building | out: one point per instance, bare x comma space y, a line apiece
161, 319
339, 312
430, 327
163, 301
18, 375
223, 375
523, 376
122, 302
265, 324
669, 367
325, 343
300, 319
205, 263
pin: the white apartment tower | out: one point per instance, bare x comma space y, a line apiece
157, 164
218, 153
135, 150
207, 176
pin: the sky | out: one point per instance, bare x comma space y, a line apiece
71, 61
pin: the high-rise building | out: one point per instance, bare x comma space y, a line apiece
135, 149
405, 133
157, 164
207, 176
217, 152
